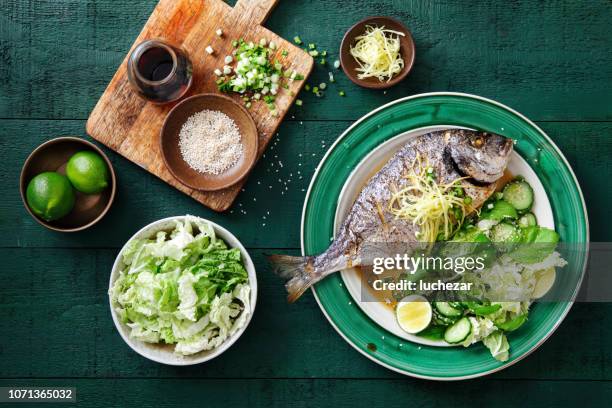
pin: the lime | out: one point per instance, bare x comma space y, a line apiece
413, 313
545, 279
50, 196
87, 171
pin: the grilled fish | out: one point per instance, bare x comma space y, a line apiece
477, 159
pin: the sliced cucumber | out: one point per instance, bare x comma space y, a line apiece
482, 309
433, 332
445, 309
519, 194
442, 320
527, 220
505, 233
457, 305
459, 331
500, 211
513, 324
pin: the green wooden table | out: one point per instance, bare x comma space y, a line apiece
550, 60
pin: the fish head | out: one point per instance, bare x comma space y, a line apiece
479, 155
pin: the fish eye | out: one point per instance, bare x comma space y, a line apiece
477, 142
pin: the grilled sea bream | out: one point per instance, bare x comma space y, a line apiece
476, 160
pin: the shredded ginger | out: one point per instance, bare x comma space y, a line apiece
427, 204
377, 52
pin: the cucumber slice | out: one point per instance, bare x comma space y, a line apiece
505, 233
457, 305
513, 324
447, 310
433, 332
500, 211
441, 320
459, 331
519, 194
482, 309
527, 220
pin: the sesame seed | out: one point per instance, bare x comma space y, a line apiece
210, 142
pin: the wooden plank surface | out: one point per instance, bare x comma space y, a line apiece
549, 60
130, 126
338, 393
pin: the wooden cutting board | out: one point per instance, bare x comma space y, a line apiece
130, 126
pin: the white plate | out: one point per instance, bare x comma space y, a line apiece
165, 353
376, 311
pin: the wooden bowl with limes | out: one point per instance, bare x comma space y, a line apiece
53, 156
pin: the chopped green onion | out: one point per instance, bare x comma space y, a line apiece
312, 46
315, 90
234, 43
253, 72
284, 53
336, 64
313, 53
322, 85
324, 53
331, 77
341, 93
467, 200
307, 87
298, 102
323, 62
248, 105
297, 40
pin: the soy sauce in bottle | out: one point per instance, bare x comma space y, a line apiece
159, 72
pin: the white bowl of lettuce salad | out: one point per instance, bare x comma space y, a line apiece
182, 290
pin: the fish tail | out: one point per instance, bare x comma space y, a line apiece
299, 272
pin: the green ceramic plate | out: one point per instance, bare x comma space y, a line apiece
364, 334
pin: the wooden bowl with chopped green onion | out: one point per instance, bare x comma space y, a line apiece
365, 60
209, 142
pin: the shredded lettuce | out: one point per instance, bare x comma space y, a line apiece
481, 328
185, 287
498, 345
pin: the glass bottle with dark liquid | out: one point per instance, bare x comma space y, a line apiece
159, 72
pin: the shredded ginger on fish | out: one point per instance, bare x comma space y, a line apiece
429, 205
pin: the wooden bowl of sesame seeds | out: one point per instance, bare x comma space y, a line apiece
209, 142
